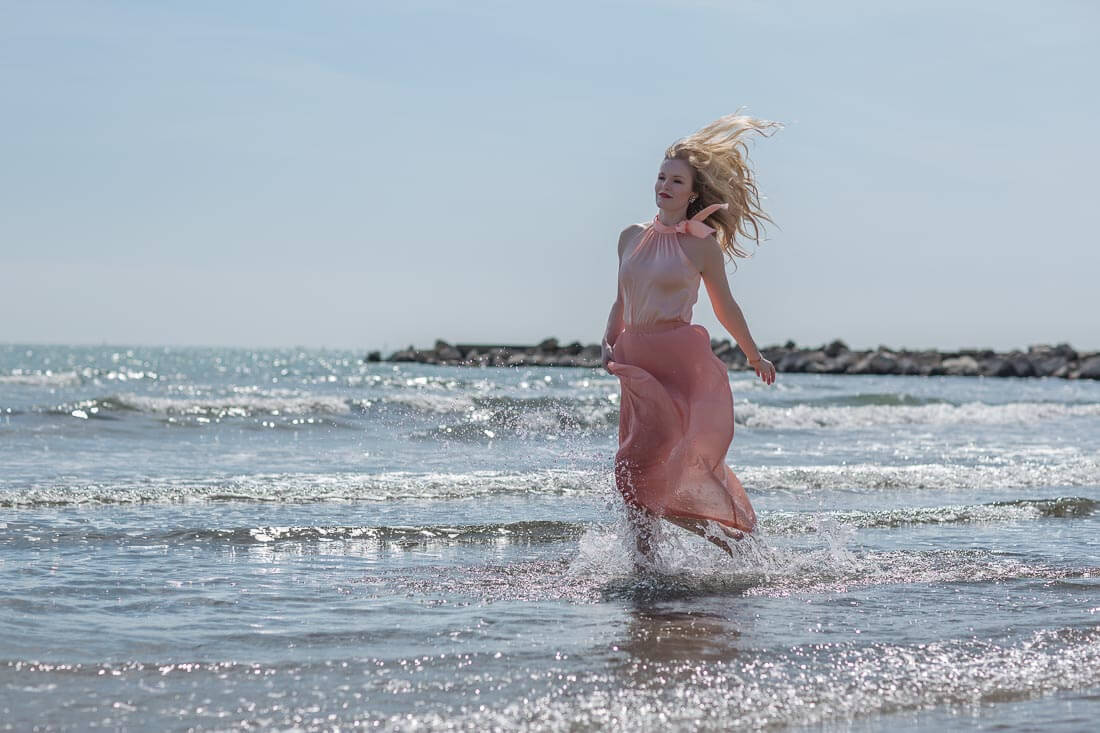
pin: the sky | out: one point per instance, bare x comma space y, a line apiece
373, 175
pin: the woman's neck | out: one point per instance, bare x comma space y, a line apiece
671, 218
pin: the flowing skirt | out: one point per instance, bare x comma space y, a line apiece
676, 425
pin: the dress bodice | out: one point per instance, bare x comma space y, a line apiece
658, 281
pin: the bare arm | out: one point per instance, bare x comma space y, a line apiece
615, 317
728, 311
614, 321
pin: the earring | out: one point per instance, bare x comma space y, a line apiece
692, 199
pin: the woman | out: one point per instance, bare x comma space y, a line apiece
676, 412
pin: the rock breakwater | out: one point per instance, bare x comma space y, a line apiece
1060, 361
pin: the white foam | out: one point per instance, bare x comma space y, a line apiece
1072, 471
385, 486
235, 405
43, 379
977, 413
431, 402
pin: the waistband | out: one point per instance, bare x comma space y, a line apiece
656, 327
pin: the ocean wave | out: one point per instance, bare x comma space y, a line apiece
1028, 473
41, 379
601, 412
218, 406
307, 488
882, 399
49, 378
1000, 511
772, 523
398, 485
402, 536
427, 402
601, 568
804, 416
550, 423
760, 568
465, 416
765, 566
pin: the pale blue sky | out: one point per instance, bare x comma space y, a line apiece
369, 175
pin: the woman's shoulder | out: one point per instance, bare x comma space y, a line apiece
628, 235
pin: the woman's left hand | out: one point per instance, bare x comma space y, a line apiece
764, 369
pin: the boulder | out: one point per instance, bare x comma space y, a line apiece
801, 361
1040, 360
997, 367
721, 348
1046, 363
907, 365
592, 351
978, 354
1046, 350
840, 364
816, 362
735, 358
774, 354
446, 352
876, 362
792, 361
1089, 368
961, 366
1022, 365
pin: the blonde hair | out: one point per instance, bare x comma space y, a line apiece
720, 160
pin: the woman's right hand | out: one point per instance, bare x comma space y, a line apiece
605, 354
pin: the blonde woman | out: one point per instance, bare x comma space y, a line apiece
676, 412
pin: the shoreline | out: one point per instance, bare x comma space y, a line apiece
1043, 360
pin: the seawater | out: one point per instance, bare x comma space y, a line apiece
236, 539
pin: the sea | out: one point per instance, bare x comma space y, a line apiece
235, 539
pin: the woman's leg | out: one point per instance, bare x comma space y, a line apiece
698, 527
642, 525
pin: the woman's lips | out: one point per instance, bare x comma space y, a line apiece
664, 195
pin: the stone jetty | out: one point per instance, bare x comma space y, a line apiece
1061, 361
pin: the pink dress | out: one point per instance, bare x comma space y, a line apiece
676, 411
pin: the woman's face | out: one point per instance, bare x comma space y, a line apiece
673, 187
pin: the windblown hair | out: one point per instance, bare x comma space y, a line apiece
720, 160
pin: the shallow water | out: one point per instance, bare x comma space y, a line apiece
225, 539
